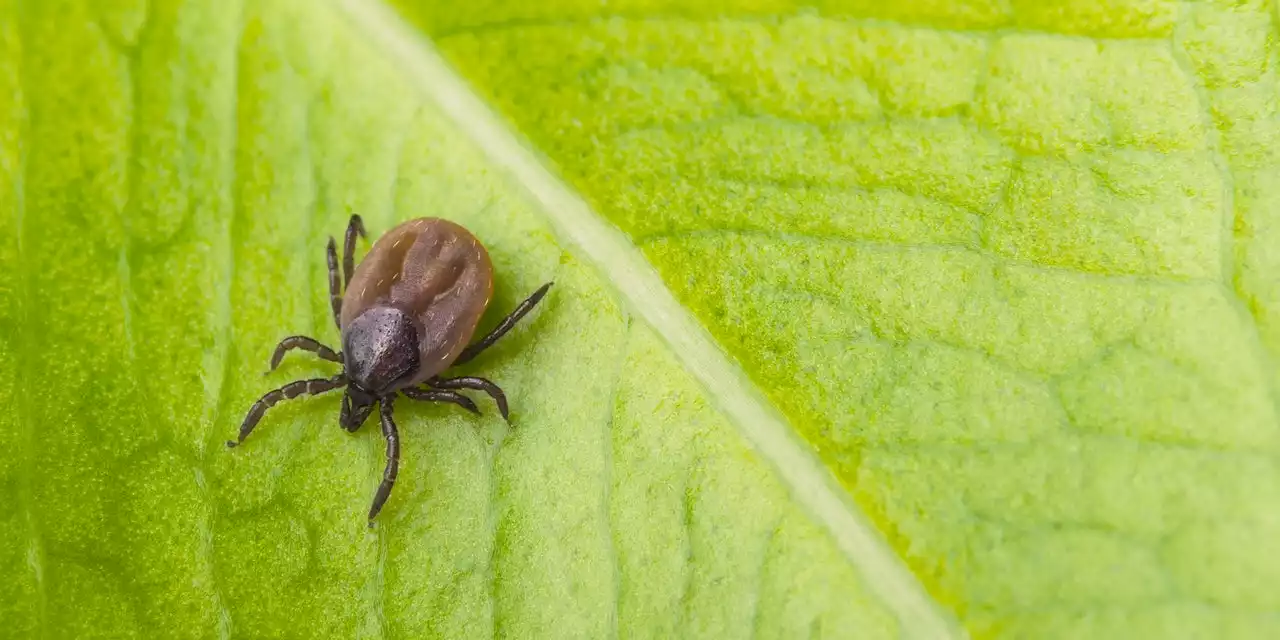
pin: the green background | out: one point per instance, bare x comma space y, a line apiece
1009, 268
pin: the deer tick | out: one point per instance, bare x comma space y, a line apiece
406, 315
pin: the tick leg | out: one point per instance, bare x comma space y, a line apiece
432, 395
393, 458
503, 327
306, 344
288, 391
335, 293
477, 384
355, 226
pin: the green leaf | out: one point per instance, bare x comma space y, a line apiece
1011, 268
169, 174
1008, 268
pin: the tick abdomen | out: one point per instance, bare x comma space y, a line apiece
434, 271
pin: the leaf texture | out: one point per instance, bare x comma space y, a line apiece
170, 172
1010, 267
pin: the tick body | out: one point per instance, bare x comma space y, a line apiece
408, 313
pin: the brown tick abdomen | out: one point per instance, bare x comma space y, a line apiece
437, 273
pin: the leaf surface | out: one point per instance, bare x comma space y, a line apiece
1009, 267
169, 174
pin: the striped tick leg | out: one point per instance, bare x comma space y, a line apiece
475, 384
503, 327
354, 227
306, 344
338, 282
289, 391
393, 457
433, 395
335, 284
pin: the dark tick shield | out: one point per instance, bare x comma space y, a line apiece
406, 315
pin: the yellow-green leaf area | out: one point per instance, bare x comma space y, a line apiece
169, 174
1009, 267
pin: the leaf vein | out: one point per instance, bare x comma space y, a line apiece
221, 398
1233, 214
759, 422
763, 18
36, 554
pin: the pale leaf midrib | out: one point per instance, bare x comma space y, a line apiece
811, 484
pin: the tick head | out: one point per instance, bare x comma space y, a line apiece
356, 407
380, 349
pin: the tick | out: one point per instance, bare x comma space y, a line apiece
406, 314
